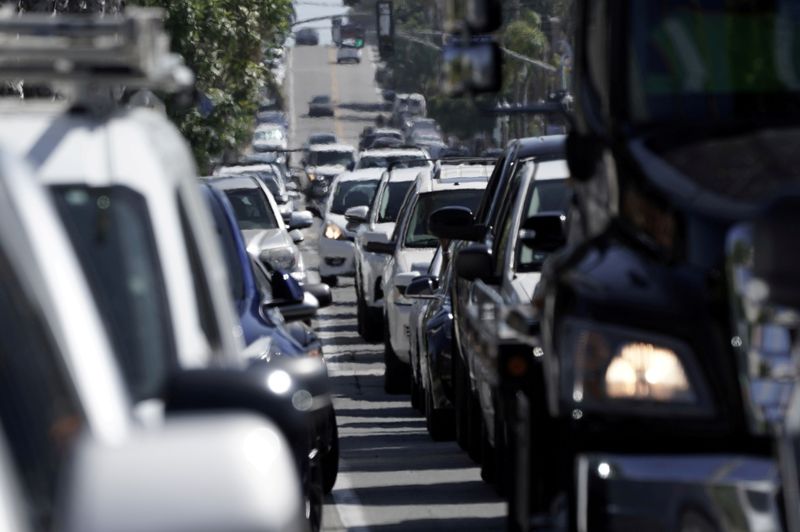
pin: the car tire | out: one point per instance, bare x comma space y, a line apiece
438, 421
395, 377
370, 327
330, 460
330, 280
314, 497
460, 390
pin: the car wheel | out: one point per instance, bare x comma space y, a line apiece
314, 496
460, 390
369, 325
330, 280
438, 421
395, 377
330, 460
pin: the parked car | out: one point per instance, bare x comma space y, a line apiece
322, 164
393, 158
306, 36
482, 226
377, 225
411, 250
320, 106
337, 236
348, 54
268, 239
66, 400
270, 137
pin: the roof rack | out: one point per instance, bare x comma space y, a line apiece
130, 50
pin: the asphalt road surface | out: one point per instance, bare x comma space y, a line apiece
392, 475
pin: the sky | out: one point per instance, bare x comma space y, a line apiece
318, 8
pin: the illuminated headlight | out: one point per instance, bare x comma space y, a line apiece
608, 368
282, 259
333, 232
312, 176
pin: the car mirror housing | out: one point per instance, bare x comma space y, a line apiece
475, 262
296, 236
544, 232
198, 472
357, 215
423, 287
300, 220
455, 223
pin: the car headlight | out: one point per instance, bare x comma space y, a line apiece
311, 176
283, 259
607, 368
333, 232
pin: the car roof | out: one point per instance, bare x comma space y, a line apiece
550, 145
235, 182
362, 174
243, 169
332, 147
455, 176
393, 152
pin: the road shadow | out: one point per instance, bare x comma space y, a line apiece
365, 107
464, 524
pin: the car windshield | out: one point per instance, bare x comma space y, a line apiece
391, 200
112, 233
353, 194
544, 196
418, 235
330, 158
322, 139
271, 134
397, 161
705, 60
252, 209
321, 99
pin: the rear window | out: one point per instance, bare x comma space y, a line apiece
323, 158
396, 161
353, 194
252, 209
112, 233
417, 234
391, 200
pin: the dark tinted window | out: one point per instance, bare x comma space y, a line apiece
397, 161
352, 194
322, 158
40, 414
543, 196
418, 235
391, 200
252, 209
113, 236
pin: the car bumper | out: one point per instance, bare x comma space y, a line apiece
336, 257
659, 492
399, 318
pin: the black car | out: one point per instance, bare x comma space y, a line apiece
320, 106
273, 117
306, 36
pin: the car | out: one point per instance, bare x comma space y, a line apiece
506, 275
406, 107
320, 106
348, 54
420, 125
337, 236
371, 134
393, 158
306, 36
272, 177
266, 235
320, 138
435, 146
376, 225
273, 117
322, 164
74, 450
270, 137
482, 227
411, 250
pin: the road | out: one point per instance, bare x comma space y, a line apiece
392, 475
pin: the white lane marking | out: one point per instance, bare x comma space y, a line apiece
348, 505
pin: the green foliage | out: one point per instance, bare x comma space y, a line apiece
223, 41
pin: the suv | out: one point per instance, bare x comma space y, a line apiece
322, 164
376, 224
411, 249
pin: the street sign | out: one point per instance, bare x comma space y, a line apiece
384, 10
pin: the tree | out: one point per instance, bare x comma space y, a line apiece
223, 42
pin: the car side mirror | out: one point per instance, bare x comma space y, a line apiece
322, 292
296, 236
475, 262
544, 232
403, 280
423, 287
191, 473
357, 215
301, 220
290, 298
455, 223
285, 288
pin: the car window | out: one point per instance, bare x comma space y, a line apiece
544, 196
352, 194
323, 158
112, 233
252, 209
230, 250
269, 134
39, 410
482, 214
396, 161
418, 235
391, 200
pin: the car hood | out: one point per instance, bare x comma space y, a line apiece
418, 259
260, 239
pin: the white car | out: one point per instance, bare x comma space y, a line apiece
271, 176
348, 54
270, 137
337, 235
412, 248
377, 225
322, 164
394, 158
